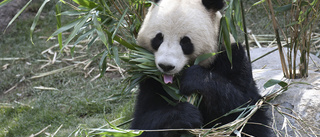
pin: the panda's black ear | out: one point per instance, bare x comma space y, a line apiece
213, 4
156, 1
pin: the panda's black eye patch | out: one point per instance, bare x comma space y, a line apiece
157, 41
186, 45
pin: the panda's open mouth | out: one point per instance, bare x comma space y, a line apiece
167, 78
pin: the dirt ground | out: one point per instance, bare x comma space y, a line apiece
8, 11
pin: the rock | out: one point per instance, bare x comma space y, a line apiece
272, 61
300, 103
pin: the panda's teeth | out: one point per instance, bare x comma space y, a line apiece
168, 79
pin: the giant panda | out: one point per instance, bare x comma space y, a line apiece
177, 32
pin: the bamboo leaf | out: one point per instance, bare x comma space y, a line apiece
118, 132
283, 8
101, 34
36, 19
134, 81
168, 100
83, 36
4, 2
58, 18
139, 60
226, 37
204, 57
237, 16
144, 67
292, 23
73, 13
273, 82
116, 55
76, 29
119, 23
88, 4
259, 2
103, 63
230, 16
92, 41
64, 28
17, 15
121, 41
173, 92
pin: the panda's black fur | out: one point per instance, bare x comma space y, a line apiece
224, 87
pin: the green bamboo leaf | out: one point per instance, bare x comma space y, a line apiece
233, 29
273, 82
204, 57
237, 17
119, 23
146, 54
36, 19
283, 8
226, 37
168, 100
118, 132
150, 64
125, 58
76, 29
121, 41
134, 81
4, 2
259, 2
73, 13
64, 28
292, 23
92, 41
172, 92
103, 63
312, 4
17, 15
99, 30
139, 60
83, 36
88, 4
116, 55
102, 36
144, 67
58, 18
106, 8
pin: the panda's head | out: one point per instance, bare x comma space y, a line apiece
178, 31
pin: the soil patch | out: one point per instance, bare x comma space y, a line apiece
8, 11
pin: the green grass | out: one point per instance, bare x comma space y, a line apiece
26, 109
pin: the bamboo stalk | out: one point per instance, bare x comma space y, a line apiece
245, 31
276, 30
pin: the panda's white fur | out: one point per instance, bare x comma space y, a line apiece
171, 18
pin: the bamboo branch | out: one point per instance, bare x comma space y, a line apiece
276, 31
245, 31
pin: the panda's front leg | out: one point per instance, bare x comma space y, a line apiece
152, 112
213, 86
195, 79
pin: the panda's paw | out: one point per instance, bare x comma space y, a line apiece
187, 117
192, 80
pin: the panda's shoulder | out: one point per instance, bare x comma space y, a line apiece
239, 63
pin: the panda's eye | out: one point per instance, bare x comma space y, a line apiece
186, 45
157, 41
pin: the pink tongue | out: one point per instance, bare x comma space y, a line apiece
168, 79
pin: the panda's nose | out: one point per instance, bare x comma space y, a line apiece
166, 67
